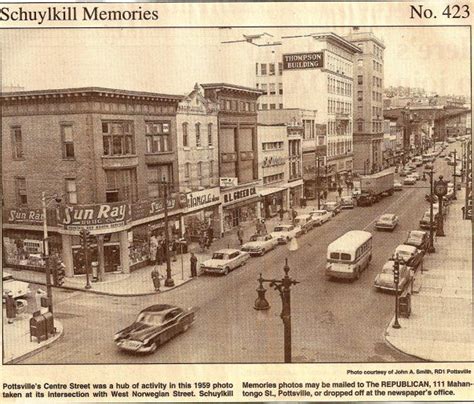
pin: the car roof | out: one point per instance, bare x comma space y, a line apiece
404, 247
303, 216
226, 251
387, 215
159, 307
417, 233
283, 225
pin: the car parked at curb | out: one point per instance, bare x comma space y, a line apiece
306, 222
412, 256
332, 206
285, 232
385, 279
153, 327
225, 260
320, 216
258, 245
419, 239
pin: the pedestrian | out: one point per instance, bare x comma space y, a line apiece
294, 214
210, 235
339, 191
281, 213
193, 260
10, 307
202, 240
240, 235
159, 253
156, 278
325, 194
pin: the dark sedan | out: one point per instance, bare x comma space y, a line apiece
419, 239
411, 256
153, 327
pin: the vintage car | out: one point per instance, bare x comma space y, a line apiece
334, 207
306, 222
385, 279
260, 244
412, 256
388, 221
224, 261
366, 199
409, 180
419, 239
153, 327
397, 186
18, 288
415, 175
347, 202
425, 220
321, 216
285, 232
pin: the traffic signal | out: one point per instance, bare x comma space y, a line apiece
396, 271
87, 239
58, 271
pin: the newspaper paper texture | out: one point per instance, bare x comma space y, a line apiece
236, 201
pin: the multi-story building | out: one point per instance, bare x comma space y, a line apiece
368, 101
309, 72
280, 162
198, 158
106, 154
238, 155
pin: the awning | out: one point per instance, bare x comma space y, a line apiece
293, 184
269, 191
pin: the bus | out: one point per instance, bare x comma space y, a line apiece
349, 255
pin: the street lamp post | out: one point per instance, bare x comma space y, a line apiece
284, 287
454, 175
440, 190
431, 248
169, 280
396, 278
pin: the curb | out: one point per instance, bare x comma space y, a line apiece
99, 292
29, 354
385, 336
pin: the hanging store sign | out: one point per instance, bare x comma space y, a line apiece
95, 217
238, 195
295, 61
28, 216
202, 199
227, 182
141, 210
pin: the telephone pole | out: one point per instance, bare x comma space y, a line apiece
169, 280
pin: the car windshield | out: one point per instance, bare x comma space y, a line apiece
415, 236
280, 228
218, 256
149, 317
403, 253
387, 269
255, 238
318, 213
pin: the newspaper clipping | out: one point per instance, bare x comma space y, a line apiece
236, 201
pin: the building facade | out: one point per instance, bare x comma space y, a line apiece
368, 102
104, 154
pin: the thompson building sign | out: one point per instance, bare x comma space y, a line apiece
295, 61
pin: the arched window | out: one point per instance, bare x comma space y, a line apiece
185, 135
209, 134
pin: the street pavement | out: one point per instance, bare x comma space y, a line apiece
332, 321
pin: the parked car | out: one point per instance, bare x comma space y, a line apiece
153, 327
425, 220
333, 207
412, 256
306, 222
419, 239
387, 221
385, 279
365, 199
415, 175
410, 180
260, 244
285, 232
321, 216
403, 173
224, 261
397, 186
347, 202
18, 288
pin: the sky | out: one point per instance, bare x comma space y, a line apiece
172, 60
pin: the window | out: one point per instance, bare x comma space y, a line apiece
187, 170
198, 134
68, 143
211, 168
280, 106
272, 89
156, 174
121, 185
256, 70
71, 190
263, 69
359, 95
360, 126
280, 88
280, 68
185, 135
209, 134
271, 69
20, 188
359, 79
157, 137
118, 138
360, 62
264, 107
17, 142
264, 89
272, 106
199, 172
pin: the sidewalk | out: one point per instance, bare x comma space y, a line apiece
17, 344
440, 326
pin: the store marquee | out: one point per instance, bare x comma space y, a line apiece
95, 217
202, 199
239, 195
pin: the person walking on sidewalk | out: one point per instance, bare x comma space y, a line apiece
193, 260
240, 235
156, 278
339, 191
282, 213
10, 307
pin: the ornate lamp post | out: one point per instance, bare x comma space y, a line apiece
283, 286
454, 175
431, 248
169, 282
396, 278
440, 190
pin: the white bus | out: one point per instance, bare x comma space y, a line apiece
349, 255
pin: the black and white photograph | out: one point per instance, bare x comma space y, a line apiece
236, 195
